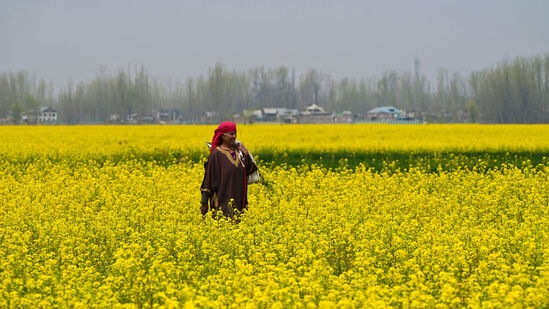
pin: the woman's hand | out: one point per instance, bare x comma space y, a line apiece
204, 208
204, 202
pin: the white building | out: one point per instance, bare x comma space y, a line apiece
47, 115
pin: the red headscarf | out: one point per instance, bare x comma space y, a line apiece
224, 127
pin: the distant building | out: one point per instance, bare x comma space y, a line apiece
167, 115
47, 115
279, 114
315, 114
313, 108
288, 115
252, 115
269, 114
384, 113
208, 117
344, 117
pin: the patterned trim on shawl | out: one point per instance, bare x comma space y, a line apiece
227, 153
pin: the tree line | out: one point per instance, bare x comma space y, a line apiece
512, 91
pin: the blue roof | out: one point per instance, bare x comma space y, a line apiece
385, 110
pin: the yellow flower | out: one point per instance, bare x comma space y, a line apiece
108, 217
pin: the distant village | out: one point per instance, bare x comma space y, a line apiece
312, 114
316, 114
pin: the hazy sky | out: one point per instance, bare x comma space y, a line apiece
62, 39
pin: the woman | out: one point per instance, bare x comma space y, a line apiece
224, 184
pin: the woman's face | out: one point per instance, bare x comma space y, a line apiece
228, 138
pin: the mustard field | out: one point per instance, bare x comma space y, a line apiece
350, 216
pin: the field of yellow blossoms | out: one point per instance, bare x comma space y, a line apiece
349, 216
